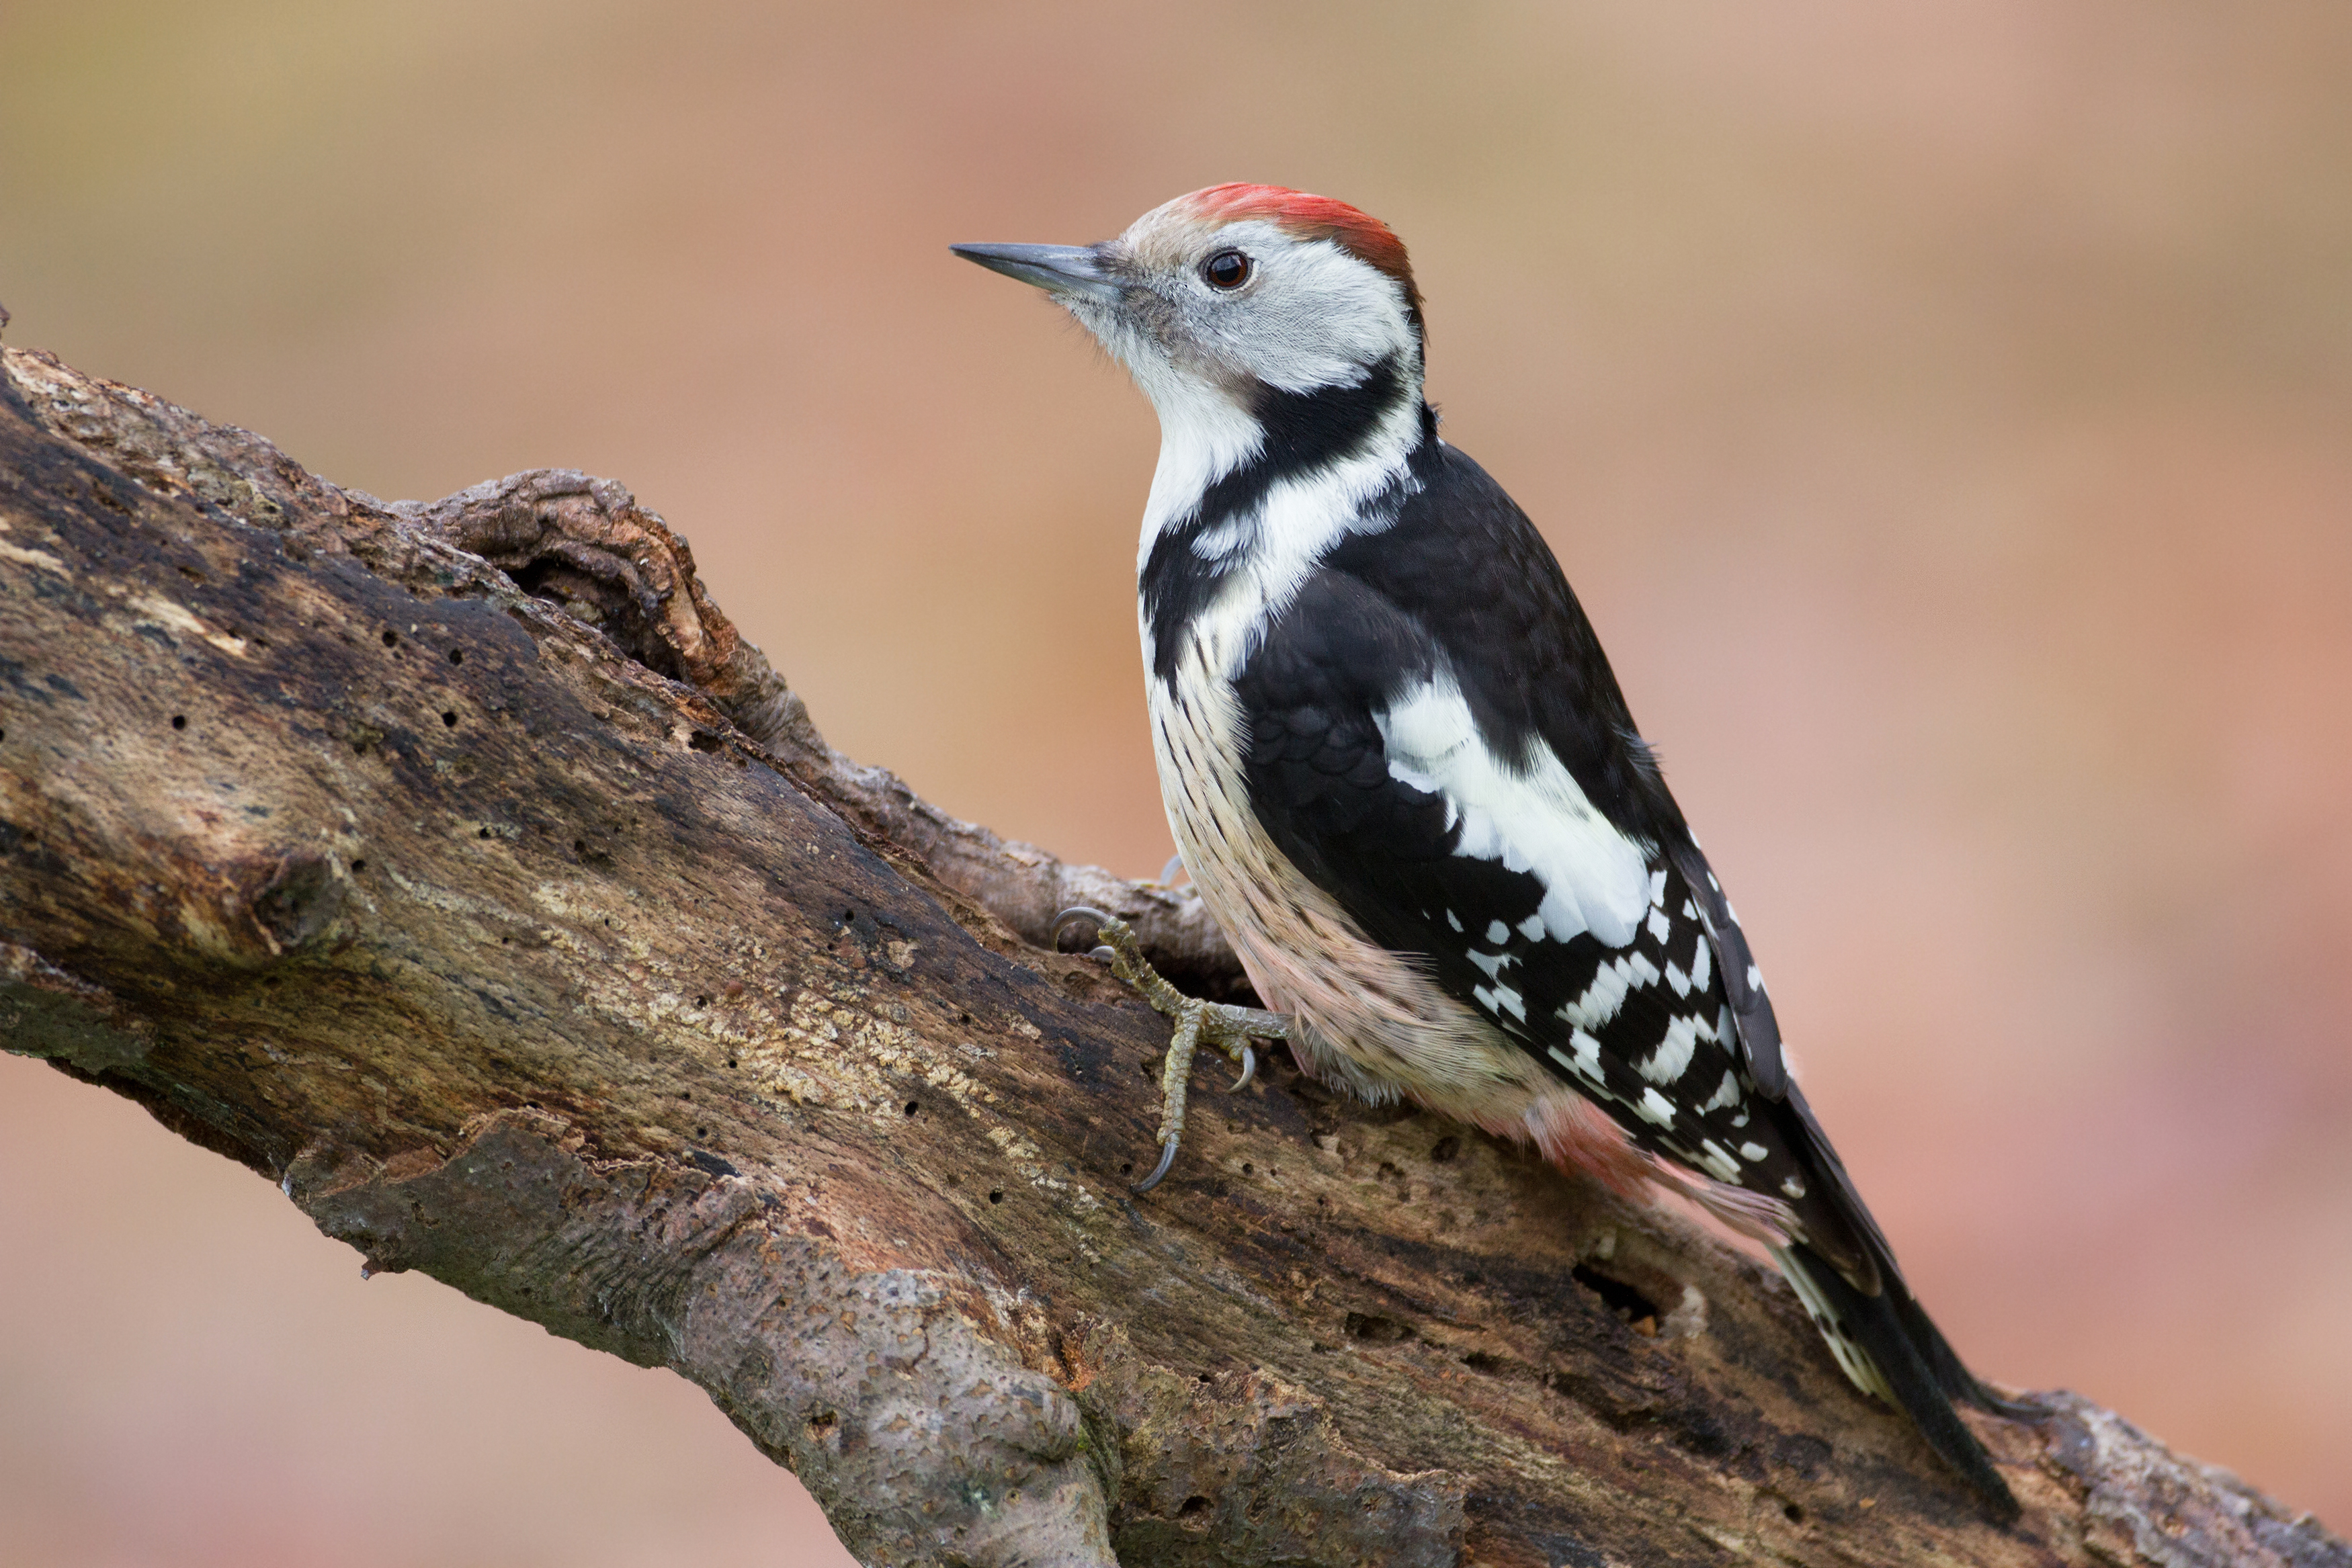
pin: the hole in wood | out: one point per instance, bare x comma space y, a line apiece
1373, 1328
1627, 1301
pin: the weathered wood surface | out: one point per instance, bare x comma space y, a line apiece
459, 869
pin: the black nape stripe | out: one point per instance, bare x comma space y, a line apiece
1305, 431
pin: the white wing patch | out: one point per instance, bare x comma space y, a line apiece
1535, 819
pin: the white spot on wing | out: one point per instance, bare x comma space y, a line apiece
1655, 1107
1497, 932
1674, 1053
1606, 994
1502, 999
1585, 1062
1727, 1094
1602, 998
1753, 1151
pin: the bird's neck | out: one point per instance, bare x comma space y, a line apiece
1251, 493
1238, 472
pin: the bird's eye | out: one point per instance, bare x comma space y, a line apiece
1226, 269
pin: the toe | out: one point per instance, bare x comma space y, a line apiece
1167, 1158
1077, 911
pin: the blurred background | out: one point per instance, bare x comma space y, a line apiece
1945, 412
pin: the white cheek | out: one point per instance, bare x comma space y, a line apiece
1317, 318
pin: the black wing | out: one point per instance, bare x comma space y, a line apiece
1464, 564
1643, 1025
1649, 1006
1645, 1000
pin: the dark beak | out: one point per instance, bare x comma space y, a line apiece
1056, 268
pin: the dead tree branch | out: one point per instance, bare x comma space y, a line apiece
459, 868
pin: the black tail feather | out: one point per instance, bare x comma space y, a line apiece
1919, 1367
1954, 1378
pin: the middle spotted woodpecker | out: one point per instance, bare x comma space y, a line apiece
1400, 770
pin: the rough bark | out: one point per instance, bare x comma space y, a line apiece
459, 868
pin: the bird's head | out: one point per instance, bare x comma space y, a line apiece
1236, 295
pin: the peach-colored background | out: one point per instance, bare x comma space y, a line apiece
1945, 411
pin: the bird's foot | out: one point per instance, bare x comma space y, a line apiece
1227, 1028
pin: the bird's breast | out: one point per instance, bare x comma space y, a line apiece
1374, 1022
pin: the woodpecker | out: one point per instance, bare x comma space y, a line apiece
1399, 768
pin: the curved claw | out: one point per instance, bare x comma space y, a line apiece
1077, 911
1167, 1158
1102, 954
1249, 1069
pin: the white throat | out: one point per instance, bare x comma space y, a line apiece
1205, 436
